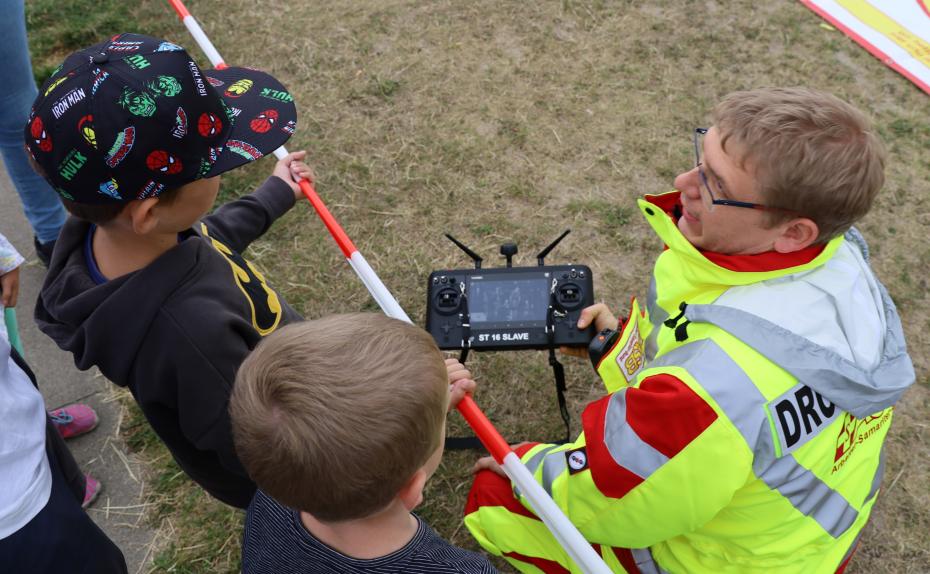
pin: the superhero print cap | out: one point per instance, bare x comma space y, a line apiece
133, 116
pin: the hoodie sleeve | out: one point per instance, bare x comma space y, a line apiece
244, 220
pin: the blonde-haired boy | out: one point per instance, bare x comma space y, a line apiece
340, 422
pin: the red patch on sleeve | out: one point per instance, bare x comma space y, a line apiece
663, 411
610, 478
522, 449
491, 489
667, 414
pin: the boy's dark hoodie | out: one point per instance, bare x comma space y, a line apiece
176, 331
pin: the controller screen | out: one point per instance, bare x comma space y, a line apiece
508, 301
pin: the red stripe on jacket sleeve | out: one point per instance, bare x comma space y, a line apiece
625, 557
523, 448
664, 413
491, 489
610, 478
667, 414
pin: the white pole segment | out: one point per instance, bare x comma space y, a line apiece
565, 533
378, 290
203, 41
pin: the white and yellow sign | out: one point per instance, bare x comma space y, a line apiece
895, 31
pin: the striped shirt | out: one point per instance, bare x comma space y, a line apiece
275, 542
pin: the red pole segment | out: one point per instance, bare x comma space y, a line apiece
180, 8
336, 230
490, 438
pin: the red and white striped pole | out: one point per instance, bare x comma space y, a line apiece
575, 545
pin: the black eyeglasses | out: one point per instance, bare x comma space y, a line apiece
707, 194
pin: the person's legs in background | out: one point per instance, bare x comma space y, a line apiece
73, 421
41, 205
62, 537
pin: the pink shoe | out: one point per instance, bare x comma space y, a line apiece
74, 420
91, 489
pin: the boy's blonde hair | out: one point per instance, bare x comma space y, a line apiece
812, 153
334, 416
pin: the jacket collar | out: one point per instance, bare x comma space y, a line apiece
662, 212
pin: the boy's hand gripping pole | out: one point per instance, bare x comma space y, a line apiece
575, 545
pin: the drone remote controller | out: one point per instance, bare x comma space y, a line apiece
509, 308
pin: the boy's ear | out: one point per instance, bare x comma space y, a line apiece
142, 215
411, 494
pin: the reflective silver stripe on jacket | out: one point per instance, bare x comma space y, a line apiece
810, 495
657, 315
744, 406
877, 479
820, 368
533, 463
645, 562
553, 464
624, 445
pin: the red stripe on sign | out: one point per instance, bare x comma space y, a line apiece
547, 566
491, 489
667, 414
610, 478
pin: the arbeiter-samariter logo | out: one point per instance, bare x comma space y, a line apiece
854, 432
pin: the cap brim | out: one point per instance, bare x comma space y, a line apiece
261, 111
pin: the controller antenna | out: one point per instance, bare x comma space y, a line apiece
541, 256
475, 257
508, 250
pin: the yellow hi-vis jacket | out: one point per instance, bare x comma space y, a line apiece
744, 427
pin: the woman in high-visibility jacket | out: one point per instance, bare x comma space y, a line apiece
749, 401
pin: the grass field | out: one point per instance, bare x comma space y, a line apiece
506, 120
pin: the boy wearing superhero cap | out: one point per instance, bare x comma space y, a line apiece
133, 135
